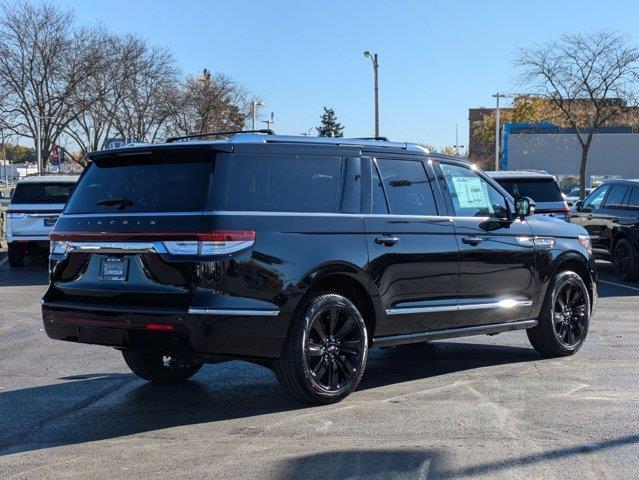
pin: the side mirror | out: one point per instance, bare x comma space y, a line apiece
524, 207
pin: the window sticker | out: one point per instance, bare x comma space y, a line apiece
472, 193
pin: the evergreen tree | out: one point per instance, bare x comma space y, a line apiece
329, 126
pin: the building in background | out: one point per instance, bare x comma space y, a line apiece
614, 153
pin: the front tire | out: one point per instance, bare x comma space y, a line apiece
16, 256
564, 317
158, 368
325, 352
624, 258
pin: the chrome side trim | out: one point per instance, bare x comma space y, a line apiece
506, 303
231, 311
407, 310
453, 333
132, 214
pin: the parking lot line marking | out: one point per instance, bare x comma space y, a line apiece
619, 285
3, 261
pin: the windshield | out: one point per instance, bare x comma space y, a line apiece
540, 190
42, 193
174, 181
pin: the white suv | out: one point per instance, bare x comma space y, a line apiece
36, 203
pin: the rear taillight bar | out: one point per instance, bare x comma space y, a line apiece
218, 242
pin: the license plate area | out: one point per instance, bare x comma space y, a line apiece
50, 221
114, 269
102, 336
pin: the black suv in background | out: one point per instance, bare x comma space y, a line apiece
610, 214
300, 253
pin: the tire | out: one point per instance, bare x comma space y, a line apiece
158, 368
552, 335
16, 256
316, 371
624, 259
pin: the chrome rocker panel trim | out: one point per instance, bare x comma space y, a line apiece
453, 333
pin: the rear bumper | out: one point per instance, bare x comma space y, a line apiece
250, 334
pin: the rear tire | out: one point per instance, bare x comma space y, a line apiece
624, 258
16, 256
564, 317
159, 368
325, 352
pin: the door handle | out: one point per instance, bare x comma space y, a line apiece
387, 240
472, 240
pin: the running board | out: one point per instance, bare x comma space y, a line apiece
453, 333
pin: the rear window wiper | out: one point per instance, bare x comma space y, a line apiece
121, 202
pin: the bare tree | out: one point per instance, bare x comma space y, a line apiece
208, 103
44, 60
589, 78
142, 103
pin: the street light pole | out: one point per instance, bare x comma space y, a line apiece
497, 96
457, 146
373, 57
255, 105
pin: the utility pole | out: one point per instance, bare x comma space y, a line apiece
497, 143
268, 122
373, 57
457, 146
255, 105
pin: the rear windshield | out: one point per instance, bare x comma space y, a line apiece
42, 192
541, 190
159, 182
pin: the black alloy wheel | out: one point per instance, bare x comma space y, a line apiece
325, 352
564, 317
625, 261
333, 348
570, 314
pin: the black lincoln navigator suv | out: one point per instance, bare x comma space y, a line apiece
301, 253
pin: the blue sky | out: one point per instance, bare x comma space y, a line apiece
437, 58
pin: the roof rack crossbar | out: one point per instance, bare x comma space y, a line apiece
266, 131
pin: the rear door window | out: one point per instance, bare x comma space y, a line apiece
633, 199
407, 187
277, 183
41, 193
540, 190
175, 181
615, 198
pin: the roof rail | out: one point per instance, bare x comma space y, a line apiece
266, 131
383, 139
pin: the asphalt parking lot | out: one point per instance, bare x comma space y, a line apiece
479, 407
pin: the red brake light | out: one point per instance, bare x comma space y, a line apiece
159, 326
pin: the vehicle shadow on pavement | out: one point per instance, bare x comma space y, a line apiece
34, 273
86, 408
412, 362
412, 463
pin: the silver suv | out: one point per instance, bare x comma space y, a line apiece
36, 203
